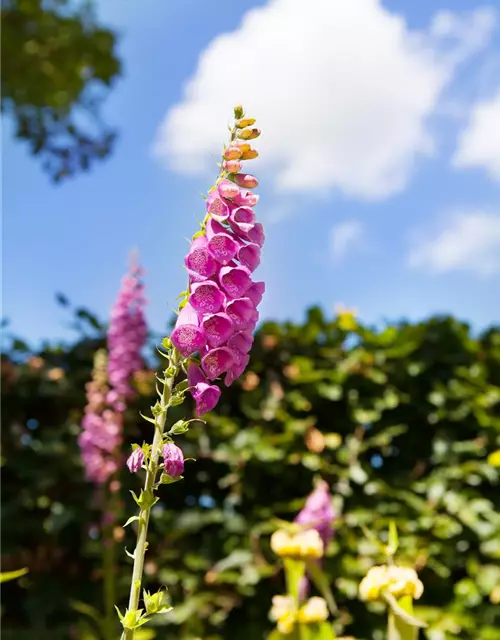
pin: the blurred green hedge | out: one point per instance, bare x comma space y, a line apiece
399, 421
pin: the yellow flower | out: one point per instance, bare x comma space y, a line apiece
314, 610
398, 581
310, 544
282, 606
494, 458
404, 581
283, 544
286, 624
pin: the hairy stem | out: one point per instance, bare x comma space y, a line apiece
398, 629
144, 513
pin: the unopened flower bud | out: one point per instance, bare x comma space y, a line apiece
173, 460
232, 166
249, 134
246, 181
238, 111
228, 189
232, 153
242, 145
135, 460
245, 122
251, 154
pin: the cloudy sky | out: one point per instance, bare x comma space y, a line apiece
379, 166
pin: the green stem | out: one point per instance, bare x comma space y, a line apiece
399, 629
143, 522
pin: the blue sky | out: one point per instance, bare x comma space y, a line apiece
379, 169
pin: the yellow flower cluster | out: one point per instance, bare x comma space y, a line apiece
398, 581
305, 544
284, 614
314, 610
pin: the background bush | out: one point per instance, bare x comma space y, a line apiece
399, 421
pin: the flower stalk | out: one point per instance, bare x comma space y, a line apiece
397, 627
212, 336
146, 499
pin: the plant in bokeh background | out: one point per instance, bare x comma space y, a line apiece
403, 423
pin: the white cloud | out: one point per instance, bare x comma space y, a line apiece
469, 241
479, 144
344, 236
342, 90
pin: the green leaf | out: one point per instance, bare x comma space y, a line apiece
166, 479
87, 610
393, 544
401, 613
132, 519
152, 420
7, 576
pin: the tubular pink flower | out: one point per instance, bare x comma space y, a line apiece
241, 341
221, 244
246, 181
249, 255
256, 234
255, 292
217, 207
228, 189
242, 219
205, 395
218, 327
187, 336
246, 199
173, 460
206, 297
135, 460
234, 280
198, 260
217, 361
237, 369
241, 311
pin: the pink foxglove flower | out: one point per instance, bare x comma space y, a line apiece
173, 460
135, 460
317, 514
126, 335
206, 395
221, 311
101, 427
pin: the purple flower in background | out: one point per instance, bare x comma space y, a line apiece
110, 386
317, 514
173, 460
101, 433
126, 336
